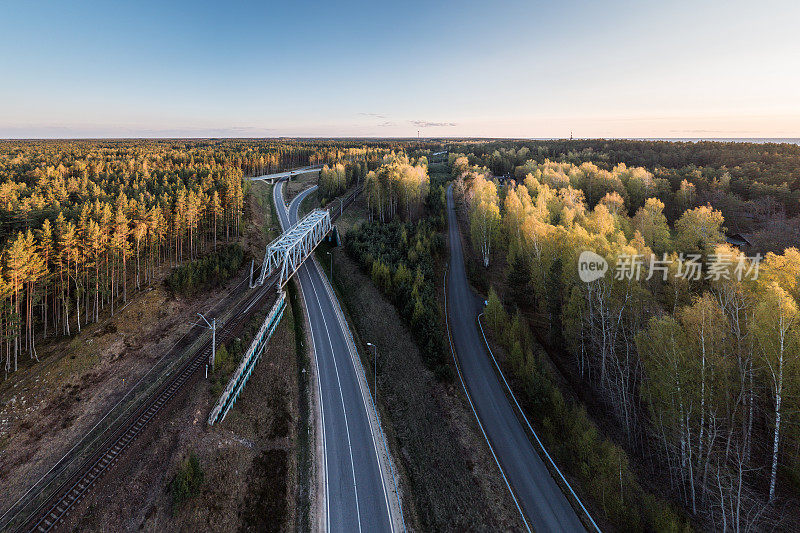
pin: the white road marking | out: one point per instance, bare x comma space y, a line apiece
292, 210
284, 215
341, 396
541, 445
351, 349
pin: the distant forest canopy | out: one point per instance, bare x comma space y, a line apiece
84, 221
771, 165
755, 186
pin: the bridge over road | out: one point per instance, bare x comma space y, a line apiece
74, 475
360, 493
286, 253
289, 174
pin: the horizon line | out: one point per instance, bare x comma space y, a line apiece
398, 138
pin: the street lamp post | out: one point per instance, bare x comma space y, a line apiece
375, 369
330, 254
213, 327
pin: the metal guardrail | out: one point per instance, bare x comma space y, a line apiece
533, 432
239, 379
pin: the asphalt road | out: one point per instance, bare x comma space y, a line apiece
357, 497
544, 506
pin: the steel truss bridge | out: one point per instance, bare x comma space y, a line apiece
287, 252
283, 257
75, 475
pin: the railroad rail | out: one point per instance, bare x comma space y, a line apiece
48, 514
344, 201
54, 507
242, 374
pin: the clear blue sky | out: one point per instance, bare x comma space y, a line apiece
523, 69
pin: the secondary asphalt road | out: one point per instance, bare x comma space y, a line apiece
357, 495
544, 506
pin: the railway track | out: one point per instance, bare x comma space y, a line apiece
53, 508
71, 492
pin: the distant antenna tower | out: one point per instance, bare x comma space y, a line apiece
417, 134
570, 136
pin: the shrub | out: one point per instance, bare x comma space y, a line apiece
222, 358
206, 272
187, 481
495, 314
400, 259
571, 437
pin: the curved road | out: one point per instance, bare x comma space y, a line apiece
544, 506
358, 493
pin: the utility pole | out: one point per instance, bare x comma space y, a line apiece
330, 254
213, 343
375, 368
213, 327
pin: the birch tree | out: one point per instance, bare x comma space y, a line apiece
484, 216
776, 331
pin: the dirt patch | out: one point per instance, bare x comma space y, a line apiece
248, 460
310, 489
49, 407
265, 504
281, 420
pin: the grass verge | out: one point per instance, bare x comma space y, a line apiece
456, 489
304, 434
